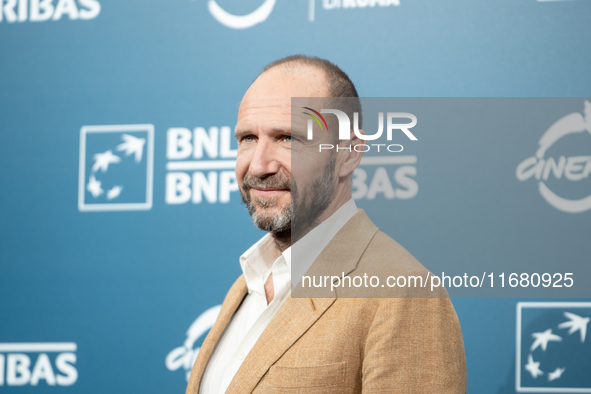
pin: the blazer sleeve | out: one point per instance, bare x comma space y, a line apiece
414, 345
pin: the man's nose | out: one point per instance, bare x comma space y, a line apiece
264, 160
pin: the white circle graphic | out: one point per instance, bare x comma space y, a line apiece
241, 21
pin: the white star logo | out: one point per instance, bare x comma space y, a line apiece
556, 374
94, 187
542, 339
114, 192
576, 323
533, 367
102, 161
132, 145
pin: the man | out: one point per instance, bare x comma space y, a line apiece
265, 340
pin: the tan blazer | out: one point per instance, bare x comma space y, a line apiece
349, 345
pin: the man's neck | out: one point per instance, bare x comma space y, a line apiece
284, 239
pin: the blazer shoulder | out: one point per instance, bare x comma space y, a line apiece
384, 252
239, 283
400, 273
238, 290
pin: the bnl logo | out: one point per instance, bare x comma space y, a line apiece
116, 167
201, 166
553, 348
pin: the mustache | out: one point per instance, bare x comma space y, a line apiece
275, 181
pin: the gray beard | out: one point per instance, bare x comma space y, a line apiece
302, 214
277, 223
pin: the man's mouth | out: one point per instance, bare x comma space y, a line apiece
267, 191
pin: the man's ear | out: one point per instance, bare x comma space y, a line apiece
353, 158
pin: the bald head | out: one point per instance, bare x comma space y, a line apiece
315, 77
338, 82
281, 83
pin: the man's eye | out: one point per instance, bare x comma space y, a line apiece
248, 138
288, 138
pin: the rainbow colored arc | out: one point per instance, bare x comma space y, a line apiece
315, 118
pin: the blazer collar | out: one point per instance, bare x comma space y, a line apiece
340, 257
297, 315
230, 305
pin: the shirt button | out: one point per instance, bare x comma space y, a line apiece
242, 355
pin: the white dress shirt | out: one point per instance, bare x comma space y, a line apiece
253, 315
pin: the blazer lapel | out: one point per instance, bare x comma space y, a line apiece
297, 315
230, 305
341, 255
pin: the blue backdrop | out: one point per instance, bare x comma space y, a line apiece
111, 252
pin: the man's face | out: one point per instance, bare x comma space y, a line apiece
268, 145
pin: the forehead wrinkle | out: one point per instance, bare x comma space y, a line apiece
265, 116
266, 101
253, 122
262, 107
281, 110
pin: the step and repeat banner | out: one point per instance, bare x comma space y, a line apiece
121, 223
